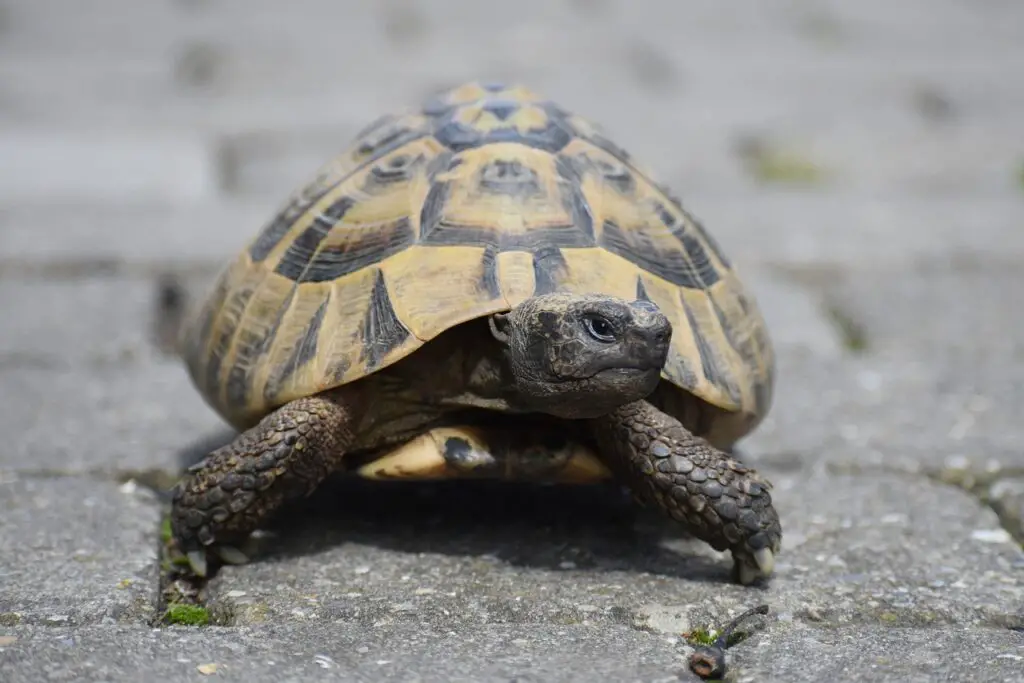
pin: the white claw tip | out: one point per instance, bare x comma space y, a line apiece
765, 559
746, 574
197, 560
232, 555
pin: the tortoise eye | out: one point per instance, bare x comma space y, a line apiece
599, 328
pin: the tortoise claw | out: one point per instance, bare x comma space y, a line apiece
197, 561
750, 568
231, 554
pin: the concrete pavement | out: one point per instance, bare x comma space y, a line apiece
862, 163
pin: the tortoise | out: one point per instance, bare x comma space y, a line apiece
484, 286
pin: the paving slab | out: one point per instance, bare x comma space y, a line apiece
910, 655
81, 322
92, 238
77, 551
865, 549
105, 165
790, 228
343, 652
106, 418
935, 381
502, 654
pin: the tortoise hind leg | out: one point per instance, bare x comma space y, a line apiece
492, 452
713, 496
287, 455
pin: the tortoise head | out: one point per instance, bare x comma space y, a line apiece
582, 355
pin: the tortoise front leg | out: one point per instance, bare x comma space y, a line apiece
713, 496
287, 455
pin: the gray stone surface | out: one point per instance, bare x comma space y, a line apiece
76, 551
914, 655
859, 162
500, 654
101, 418
345, 652
858, 549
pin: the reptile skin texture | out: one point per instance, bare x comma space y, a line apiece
285, 456
714, 497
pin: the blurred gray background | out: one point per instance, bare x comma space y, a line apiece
861, 162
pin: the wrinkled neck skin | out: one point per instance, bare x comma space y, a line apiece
576, 398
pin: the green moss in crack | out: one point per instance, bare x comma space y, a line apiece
701, 636
709, 636
9, 618
187, 615
770, 163
165, 530
851, 333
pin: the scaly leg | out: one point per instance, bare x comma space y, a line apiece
287, 455
713, 496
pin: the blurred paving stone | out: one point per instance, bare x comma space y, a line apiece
100, 165
863, 549
902, 411
345, 652
786, 228
938, 383
95, 321
956, 305
911, 655
121, 416
500, 654
826, 231
155, 137
106, 236
76, 551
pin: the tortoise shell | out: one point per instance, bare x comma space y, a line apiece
483, 197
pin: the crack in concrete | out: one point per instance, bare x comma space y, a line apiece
983, 486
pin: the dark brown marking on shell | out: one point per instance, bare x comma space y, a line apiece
276, 230
549, 270
432, 213
439, 232
618, 176
230, 314
672, 266
196, 344
715, 372
452, 131
382, 330
701, 273
489, 269
551, 236
248, 348
385, 135
641, 291
510, 177
303, 351
741, 348
695, 225
366, 245
336, 371
396, 169
236, 386
607, 145
573, 199
296, 258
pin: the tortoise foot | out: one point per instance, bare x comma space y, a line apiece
712, 496
224, 498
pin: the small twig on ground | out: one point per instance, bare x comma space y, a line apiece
708, 661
